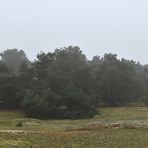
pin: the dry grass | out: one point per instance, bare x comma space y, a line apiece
114, 127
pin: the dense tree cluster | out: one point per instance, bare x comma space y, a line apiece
64, 84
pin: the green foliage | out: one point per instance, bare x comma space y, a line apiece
13, 59
118, 82
64, 84
19, 124
61, 86
9, 88
41, 106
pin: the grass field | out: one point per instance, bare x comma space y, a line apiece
124, 127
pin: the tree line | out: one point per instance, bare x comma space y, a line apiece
65, 84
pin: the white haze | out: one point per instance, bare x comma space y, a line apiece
97, 26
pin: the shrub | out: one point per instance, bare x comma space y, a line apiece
19, 124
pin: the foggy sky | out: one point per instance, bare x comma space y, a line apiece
97, 26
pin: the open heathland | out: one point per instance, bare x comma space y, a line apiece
113, 127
